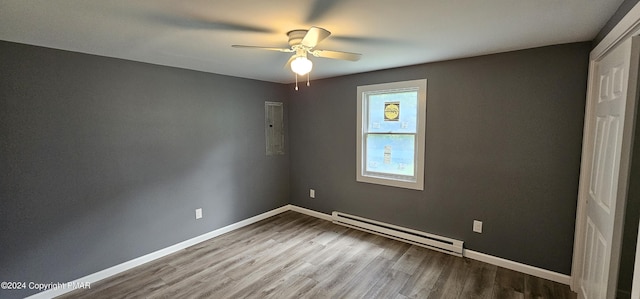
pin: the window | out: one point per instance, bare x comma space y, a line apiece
391, 126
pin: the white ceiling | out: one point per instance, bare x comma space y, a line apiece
198, 34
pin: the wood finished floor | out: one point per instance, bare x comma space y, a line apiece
292, 255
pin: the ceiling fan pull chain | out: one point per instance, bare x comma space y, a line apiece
296, 81
308, 74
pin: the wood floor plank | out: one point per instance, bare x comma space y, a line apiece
330, 233
259, 280
452, 280
421, 283
389, 285
479, 283
290, 287
257, 261
393, 249
344, 264
275, 269
538, 288
292, 255
333, 249
508, 284
213, 263
221, 251
364, 280
193, 288
563, 292
410, 260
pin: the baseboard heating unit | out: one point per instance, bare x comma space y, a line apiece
399, 233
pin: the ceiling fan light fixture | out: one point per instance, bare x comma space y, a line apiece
301, 65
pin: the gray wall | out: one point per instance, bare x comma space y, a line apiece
105, 160
503, 145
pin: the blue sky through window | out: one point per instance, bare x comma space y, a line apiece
395, 112
390, 154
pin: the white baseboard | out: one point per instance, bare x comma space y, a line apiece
95, 277
92, 278
524, 268
310, 212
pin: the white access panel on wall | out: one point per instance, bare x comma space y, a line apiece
274, 128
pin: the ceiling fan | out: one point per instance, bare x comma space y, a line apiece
303, 42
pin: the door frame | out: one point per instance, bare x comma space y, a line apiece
635, 290
625, 29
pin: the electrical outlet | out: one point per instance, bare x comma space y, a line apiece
477, 226
312, 193
198, 213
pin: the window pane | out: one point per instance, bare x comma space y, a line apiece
390, 154
393, 112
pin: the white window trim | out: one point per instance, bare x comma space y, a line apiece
363, 91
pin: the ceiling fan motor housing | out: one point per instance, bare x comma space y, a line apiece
296, 36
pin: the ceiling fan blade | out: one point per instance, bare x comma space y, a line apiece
365, 40
314, 36
234, 27
336, 55
319, 9
286, 50
198, 22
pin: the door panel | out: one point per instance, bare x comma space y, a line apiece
612, 117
